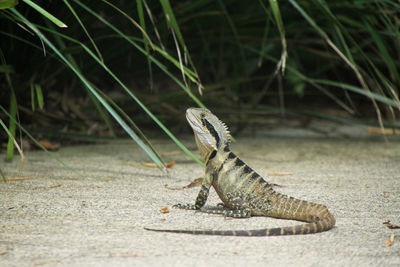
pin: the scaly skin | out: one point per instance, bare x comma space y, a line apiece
243, 192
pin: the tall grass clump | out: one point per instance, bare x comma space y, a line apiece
135, 64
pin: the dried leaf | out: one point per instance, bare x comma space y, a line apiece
170, 164
54, 186
194, 183
163, 220
384, 131
385, 194
390, 225
149, 164
49, 145
153, 165
390, 241
164, 210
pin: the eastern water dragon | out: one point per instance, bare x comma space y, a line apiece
243, 192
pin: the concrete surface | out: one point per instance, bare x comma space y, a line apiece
95, 215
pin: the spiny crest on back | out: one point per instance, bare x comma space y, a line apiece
210, 132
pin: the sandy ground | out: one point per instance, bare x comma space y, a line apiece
94, 215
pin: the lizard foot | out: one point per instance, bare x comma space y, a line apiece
185, 206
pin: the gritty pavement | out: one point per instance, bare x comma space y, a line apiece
94, 214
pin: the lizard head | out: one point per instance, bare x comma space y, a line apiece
210, 133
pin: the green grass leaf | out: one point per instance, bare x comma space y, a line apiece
46, 14
52, 155
8, 3
120, 121
39, 96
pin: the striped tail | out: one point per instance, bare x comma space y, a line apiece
309, 228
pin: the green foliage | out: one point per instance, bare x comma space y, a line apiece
8, 3
6, 69
36, 95
144, 62
11, 127
45, 14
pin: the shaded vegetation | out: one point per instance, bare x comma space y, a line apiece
131, 65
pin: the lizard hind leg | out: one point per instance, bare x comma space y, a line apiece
238, 208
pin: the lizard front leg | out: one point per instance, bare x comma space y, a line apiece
201, 197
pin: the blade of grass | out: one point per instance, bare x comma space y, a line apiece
145, 40
130, 121
188, 72
374, 83
278, 20
234, 31
103, 115
83, 28
180, 145
302, 77
87, 84
39, 95
33, 105
149, 13
383, 52
11, 126
161, 66
46, 14
13, 114
69, 56
20, 151
335, 118
361, 91
8, 3
171, 20
178, 38
265, 33
378, 86
52, 155
132, 42
354, 67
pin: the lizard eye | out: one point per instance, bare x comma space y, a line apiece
202, 115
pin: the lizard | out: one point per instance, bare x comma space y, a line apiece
244, 192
